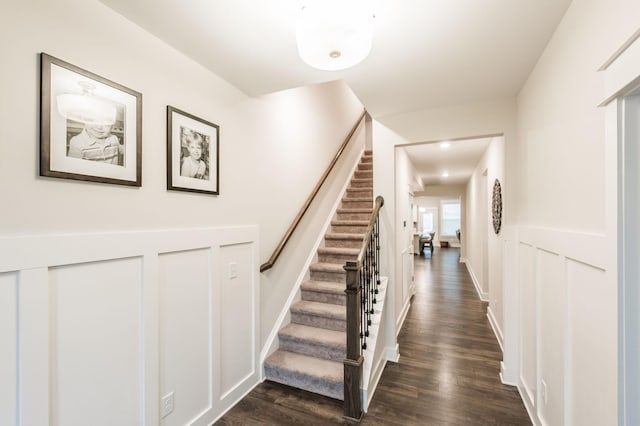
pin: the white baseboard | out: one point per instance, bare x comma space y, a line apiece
503, 374
483, 296
376, 374
527, 404
496, 328
403, 316
393, 353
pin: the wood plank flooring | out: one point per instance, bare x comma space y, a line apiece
447, 374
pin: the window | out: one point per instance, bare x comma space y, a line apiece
450, 217
427, 222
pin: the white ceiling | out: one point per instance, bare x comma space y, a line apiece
459, 160
426, 53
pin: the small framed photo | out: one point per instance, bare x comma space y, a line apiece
192, 153
90, 127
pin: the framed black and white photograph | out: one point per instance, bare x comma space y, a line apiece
90, 127
192, 153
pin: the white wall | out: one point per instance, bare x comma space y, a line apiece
484, 247
384, 171
272, 151
566, 283
405, 287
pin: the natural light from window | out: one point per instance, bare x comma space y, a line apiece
450, 217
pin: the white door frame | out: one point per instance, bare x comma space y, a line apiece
622, 102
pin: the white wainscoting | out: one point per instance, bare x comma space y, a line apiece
567, 334
8, 348
99, 327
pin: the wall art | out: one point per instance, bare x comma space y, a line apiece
90, 127
192, 153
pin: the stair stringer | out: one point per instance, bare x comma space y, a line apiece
381, 344
272, 344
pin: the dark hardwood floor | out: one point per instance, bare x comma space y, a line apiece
447, 374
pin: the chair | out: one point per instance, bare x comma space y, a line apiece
426, 240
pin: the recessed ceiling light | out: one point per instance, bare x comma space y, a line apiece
445, 174
444, 145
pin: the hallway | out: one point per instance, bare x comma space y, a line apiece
447, 374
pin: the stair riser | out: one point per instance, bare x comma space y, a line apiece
360, 193
317, 321
334, 277
365, 166
363, 174
367, 159
367, 184
311, 384
335, 258
318, 350
349, 229
354, 216
343, 243
360, 185
356, 204
320, 296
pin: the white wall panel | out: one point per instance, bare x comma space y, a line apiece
238, 310
528, 306
592, 344
552, 323
186, 307
8, 348
95, 337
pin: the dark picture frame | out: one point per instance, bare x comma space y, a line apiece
193, 160
90, 127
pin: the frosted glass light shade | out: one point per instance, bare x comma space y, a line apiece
334, 35
86, 108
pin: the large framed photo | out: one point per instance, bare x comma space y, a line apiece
192, 153
90, 127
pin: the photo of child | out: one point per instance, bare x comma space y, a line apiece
194, 156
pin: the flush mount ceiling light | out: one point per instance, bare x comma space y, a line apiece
445, 174
85, 107
444, 145
334, 35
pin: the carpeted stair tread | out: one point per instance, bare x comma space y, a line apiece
351, 222
355, 210
323, 286
339, 250
356, 199
324, 292
314, 335
304, 372
320, 309
343, 236
327, 267
362, 183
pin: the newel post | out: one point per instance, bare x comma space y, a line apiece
353, 361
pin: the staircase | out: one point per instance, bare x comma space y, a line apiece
313, 346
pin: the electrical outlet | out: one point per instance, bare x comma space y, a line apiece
166, 405
543, 391
233, 270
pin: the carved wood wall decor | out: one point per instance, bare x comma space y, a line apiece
496, 206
